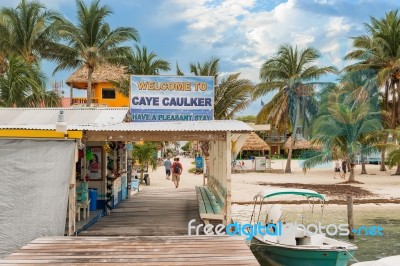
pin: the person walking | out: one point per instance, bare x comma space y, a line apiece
176, 169
167, 164
344, 168
337, 169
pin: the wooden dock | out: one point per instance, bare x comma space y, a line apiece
148, 229
161, 212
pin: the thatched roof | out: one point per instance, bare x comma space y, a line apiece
254, 143
102, 73
301, 144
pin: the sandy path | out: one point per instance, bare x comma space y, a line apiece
245, 186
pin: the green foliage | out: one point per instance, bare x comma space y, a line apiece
91, 41
28, 30
192, 170
231, 95
306, 154
22, 85
294, 73
140, 62
247, 118
187, 146
348, 114
146, 154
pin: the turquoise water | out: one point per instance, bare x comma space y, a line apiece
369, 247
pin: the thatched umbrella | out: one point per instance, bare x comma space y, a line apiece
254, 143
102, 73
301, 144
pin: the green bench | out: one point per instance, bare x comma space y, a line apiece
210, 207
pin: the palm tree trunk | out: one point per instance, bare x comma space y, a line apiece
71, 95
398, 102
398, 169
363, 168
351, 177
394, 117
294, 133
141, 175
89, 87
383, 155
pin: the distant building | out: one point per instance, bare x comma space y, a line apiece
104, 92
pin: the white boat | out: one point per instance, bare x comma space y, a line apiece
287, 243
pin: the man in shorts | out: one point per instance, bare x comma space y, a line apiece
176, 169
167, 165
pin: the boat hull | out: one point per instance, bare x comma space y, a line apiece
274, 255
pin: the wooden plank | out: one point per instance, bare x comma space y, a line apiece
206, 201
202, 208
131, 236
138, 250
214, 203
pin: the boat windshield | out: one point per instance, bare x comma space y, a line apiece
298, 192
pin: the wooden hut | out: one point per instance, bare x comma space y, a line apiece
254, 143
104, 92
301, 144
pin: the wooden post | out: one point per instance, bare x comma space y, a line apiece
228, 180
350, 215
72, 195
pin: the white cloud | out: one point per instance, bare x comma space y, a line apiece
337, 26
244, 36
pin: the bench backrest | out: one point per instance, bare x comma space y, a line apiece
217, 198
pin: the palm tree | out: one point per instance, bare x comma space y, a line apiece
344, 120
91, 42
140, 63
22, 85
146, 154
28, 30
231, 96
27, 34
292, 73
208, 68
379, 50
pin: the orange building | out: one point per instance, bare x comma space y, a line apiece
104, 92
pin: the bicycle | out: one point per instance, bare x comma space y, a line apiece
238, 167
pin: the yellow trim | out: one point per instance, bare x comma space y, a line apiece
32, 133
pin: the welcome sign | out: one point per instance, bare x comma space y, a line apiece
171, 98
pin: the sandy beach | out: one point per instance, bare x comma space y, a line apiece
376, 186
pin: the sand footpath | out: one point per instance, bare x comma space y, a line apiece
381, 186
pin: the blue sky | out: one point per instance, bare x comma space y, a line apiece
242, 33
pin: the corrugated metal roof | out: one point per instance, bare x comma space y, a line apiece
215, 125
104, 119
45, 118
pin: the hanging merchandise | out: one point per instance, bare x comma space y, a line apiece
129, 146
81, 146
89, 154
121, 145
81, 153
112, 145
107, 149
110, 164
